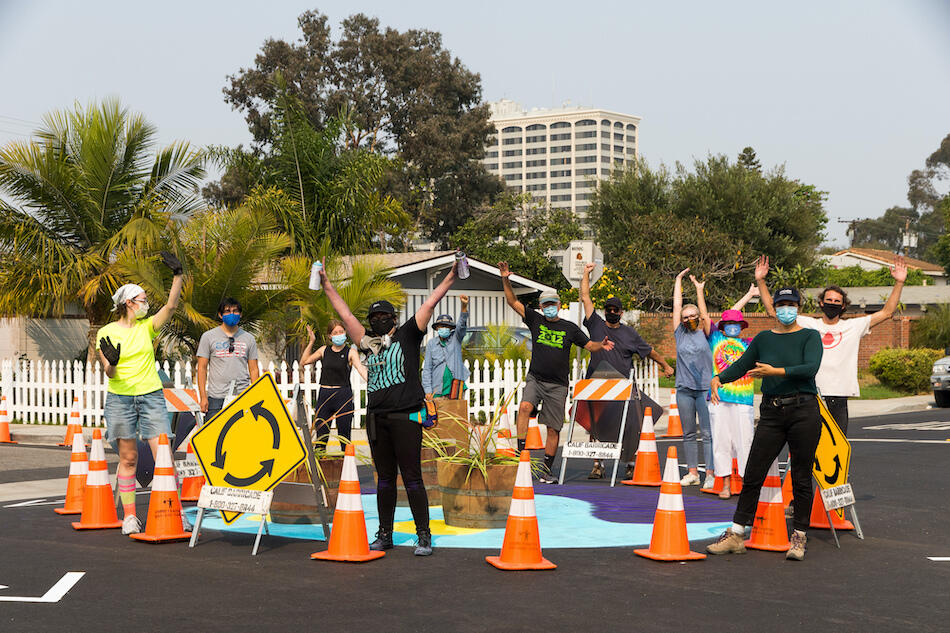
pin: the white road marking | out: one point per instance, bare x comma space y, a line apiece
936, 425
939, 559
40, 488
55, 593
35, 502
863, 439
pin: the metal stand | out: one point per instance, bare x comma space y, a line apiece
261, 529
197, 527
318, 491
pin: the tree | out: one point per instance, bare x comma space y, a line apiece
517, 231
87, 186
749, 160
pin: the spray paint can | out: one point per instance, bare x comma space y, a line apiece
315, 275
462, 268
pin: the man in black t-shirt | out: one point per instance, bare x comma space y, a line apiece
395, 405
627, 342
548, 375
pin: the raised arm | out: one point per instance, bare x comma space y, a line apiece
761, 272
424, 313
510, 297
462, 326
678, 297
753, 292
174, 294
585, 291
899, 272
309, 356
354, 329
701, 303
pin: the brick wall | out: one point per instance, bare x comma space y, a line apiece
656, 329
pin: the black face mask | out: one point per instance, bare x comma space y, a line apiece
832, 310
382, 326
612, 317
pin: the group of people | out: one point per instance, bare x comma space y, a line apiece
715, 372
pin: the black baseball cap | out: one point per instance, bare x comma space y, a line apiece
382, 306
614, 302
787, 294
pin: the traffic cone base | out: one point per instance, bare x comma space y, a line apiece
98, 504
769, 531
348, 542
819, 519
164, 508
495, 561
717, 486
646, 471
669, 541
532, 440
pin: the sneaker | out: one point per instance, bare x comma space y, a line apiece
797, 550
628, 474
384, 540
597, 472
547, 478
423, 543
729, 543
691, 479
131, 524
710, 482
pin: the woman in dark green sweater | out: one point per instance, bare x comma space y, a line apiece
786, 358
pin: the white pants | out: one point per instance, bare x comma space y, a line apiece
733, 426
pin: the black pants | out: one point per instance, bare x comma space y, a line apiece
838, 407
396, 442
800, 427
334, 403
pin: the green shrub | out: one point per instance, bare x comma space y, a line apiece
906, 370
933, 330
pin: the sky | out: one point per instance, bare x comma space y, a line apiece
849, 96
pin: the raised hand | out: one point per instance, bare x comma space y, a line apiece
682, 273
172, 262
899, 270
589, 268
311, 336
463, 299
699, 284
503, 270
110, 351
753, 291
762, 267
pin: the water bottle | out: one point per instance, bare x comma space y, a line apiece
315, 275
462, 269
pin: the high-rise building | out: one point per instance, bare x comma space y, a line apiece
556, 154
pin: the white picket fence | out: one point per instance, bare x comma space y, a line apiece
42, 392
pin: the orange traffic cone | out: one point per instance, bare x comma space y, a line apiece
5, 423
503, 445
819, 519
787, 487
769, 531
669, 541
75, 424
533, 439
735, 481
646, 472
717, 485
521, 549
76, 484
191, 486
348, 542
98, 504
674, 427
164, 508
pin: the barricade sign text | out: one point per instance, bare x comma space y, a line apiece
837, 497
235, 499
592, 450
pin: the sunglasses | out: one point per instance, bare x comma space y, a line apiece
612, 310
690, 318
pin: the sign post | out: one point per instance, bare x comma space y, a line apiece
830, 470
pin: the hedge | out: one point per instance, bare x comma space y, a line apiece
905, 369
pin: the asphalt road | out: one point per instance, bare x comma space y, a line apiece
883, 583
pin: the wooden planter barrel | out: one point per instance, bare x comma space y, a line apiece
430, 478
475, 502
293, 497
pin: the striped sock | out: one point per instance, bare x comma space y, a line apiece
127, 495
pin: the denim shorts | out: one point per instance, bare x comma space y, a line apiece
134, 417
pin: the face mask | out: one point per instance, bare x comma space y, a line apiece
231, 320
731, 329
692, 324
382, 326
612, 317
550, 311
444, 332
141, 311
338, 339
787, 314
832, 310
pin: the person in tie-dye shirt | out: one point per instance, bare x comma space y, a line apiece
732, 418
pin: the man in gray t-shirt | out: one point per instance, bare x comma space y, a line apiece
226, 353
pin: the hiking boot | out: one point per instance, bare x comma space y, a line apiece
423, 543
797, 550
131, 524
691, 479
547, 478
729, 543
597, 472
384, 540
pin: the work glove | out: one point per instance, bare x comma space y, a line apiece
172, 262
110, 351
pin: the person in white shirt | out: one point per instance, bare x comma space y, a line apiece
837, 377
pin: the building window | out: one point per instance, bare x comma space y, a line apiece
538, 187
510, 177
514, 188
631, 150
618, 137
512, 165
618, 124
560, 185
536, 139
513, 128
585, 147
605, 159
564, 161
582, 196
585, 123
511, 141
534, 150
586, 159
604, 134
561, 137
604, 172
631, 139
534, 175
536, 163
618, 149
605, 123
560, 124
560, 148
491, 166
512, 152
589, 171
584, 209
564, 197
618, 161
605, 147
587, 134
491, 154
583, 184
560, 173
536, 126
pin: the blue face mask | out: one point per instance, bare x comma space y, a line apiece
338, 339
550, 311
787, 314
444, 332
732, 329
231, 320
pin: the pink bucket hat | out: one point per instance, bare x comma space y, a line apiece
732, 316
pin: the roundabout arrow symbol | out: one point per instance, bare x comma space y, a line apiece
259, 411
267, 467
219, 453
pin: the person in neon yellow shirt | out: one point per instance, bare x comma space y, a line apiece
135, 404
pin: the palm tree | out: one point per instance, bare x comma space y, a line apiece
83, 188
